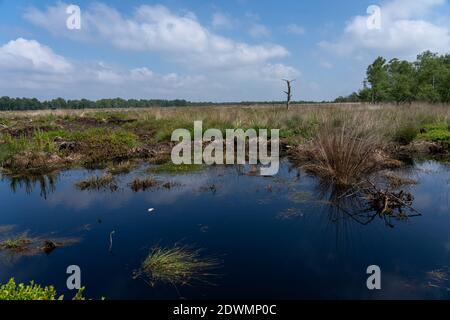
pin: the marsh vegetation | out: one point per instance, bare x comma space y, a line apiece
41, 142
177, 265
341, 162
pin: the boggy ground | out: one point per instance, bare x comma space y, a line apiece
339, 142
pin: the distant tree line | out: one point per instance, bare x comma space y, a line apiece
7, 103
426, 80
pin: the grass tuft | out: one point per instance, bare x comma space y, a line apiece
178, 265
342, 155
98, 183
143, 184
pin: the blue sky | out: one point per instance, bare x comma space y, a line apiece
208, 50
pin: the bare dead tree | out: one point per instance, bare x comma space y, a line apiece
288, 92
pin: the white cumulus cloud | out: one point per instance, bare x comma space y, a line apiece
30, 55
156, 28
406, 30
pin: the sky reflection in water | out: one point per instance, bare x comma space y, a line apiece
277, 237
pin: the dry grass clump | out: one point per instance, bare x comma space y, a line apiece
98, 183
143, 184
177, 265
341, 155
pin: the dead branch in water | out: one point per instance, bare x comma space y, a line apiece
378, 202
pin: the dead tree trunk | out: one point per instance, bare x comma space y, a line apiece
288, 92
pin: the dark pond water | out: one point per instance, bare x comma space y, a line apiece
277, 237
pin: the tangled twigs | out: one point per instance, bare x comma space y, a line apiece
385, 202
365, 201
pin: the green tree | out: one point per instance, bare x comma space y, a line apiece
377, 77
401, 76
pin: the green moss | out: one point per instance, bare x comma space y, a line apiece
171, 168
436, 132
13, 291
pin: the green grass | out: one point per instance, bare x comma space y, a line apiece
170, 168
32, 291
406, 134
110, 135
38, 142
177, 265
159, 130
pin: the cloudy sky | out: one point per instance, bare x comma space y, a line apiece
217, 50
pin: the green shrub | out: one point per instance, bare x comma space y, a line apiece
406, 134
13, 291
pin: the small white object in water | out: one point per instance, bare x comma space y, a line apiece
151, 209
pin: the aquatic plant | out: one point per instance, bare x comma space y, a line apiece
143, 184
121, 168
177, 265
24, 245
97, 183
170, 168
17, 244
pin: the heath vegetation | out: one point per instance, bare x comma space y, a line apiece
341, 142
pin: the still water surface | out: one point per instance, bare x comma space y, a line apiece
276, 237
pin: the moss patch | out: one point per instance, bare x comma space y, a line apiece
436, 133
